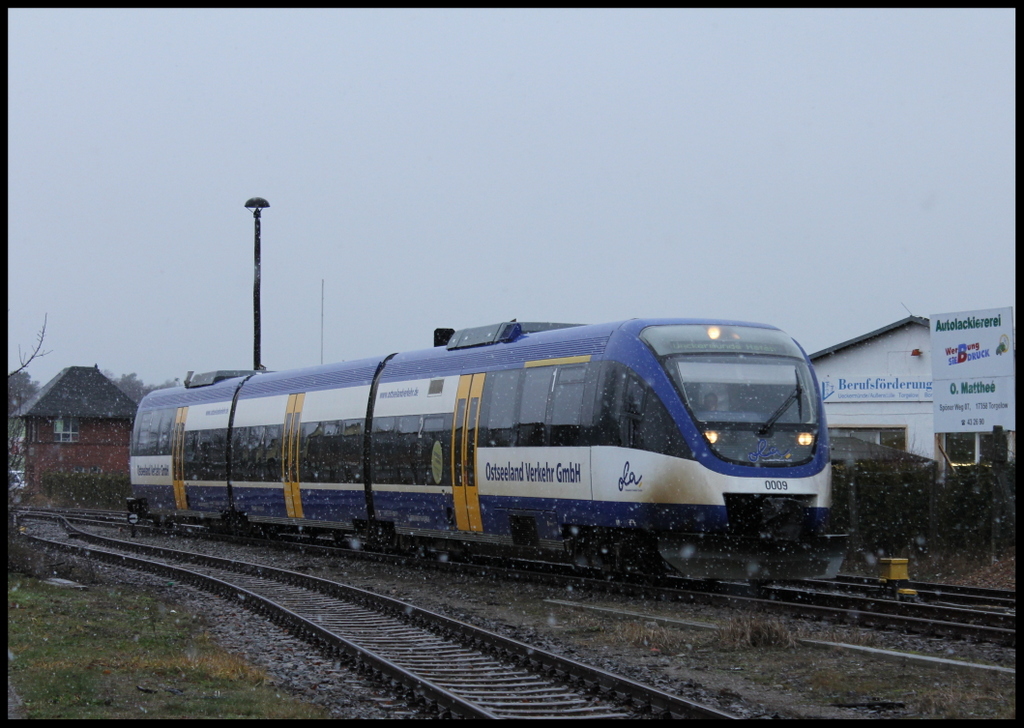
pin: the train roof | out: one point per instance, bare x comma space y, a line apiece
510, 344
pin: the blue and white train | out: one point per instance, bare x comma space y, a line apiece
626, 445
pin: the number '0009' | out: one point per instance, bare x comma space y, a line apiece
776, 485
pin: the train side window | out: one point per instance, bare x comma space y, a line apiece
630, 414
210, 452
142, 435
407, 450
351, 452
636, 393
567, 405
203, 441
239, 452
384, 449
163, 444
498, 409
313, 458
657, 432
436, 429
534, 405
433, 424
257, 455
191, 455
590, 407
272, 447
155, 432
408, 425
332, 468
633, 397
218, 467
610, 386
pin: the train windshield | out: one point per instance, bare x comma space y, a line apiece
749, 390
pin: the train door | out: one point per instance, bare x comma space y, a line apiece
178, 459
290, 455
464, 431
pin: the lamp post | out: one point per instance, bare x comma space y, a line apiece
256, 204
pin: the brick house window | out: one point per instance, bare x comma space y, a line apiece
65, 429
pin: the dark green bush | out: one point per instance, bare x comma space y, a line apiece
975, 511
86, 490
891, 506
901, 509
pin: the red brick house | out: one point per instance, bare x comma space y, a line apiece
78, 422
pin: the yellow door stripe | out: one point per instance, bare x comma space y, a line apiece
290, 455
459, 454
561, 360
472, 424
178, 459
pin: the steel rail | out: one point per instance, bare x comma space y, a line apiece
286, 618
861, 611
953, 593
540, 661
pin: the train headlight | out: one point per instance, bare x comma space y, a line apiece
711, 435
805, 438
714, 332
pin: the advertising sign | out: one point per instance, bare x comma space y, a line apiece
973, 370
862, 388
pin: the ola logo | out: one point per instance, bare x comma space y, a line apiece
437, 462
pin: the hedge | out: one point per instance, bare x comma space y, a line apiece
86, 490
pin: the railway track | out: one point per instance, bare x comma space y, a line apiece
456, 668
943, 611
948, 594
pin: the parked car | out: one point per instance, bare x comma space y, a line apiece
15, 479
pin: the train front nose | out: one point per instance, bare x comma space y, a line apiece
768, 537
767, 516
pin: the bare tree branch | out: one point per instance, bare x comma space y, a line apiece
36, 353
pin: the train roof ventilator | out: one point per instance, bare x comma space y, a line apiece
205, 379
503, 333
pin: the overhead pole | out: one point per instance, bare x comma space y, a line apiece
256, 205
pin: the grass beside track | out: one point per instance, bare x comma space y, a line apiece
111, 652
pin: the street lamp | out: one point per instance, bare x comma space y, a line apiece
255, 205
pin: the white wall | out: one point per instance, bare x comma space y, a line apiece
888, 355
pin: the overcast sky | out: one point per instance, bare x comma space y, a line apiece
822, 171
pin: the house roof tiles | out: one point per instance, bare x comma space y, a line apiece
80, 392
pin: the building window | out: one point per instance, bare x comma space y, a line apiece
968, 448
894, 437
65, 429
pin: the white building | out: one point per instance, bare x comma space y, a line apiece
878, 388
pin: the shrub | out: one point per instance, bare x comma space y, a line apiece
86, 490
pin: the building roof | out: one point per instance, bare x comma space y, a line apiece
80, 392
919, 320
